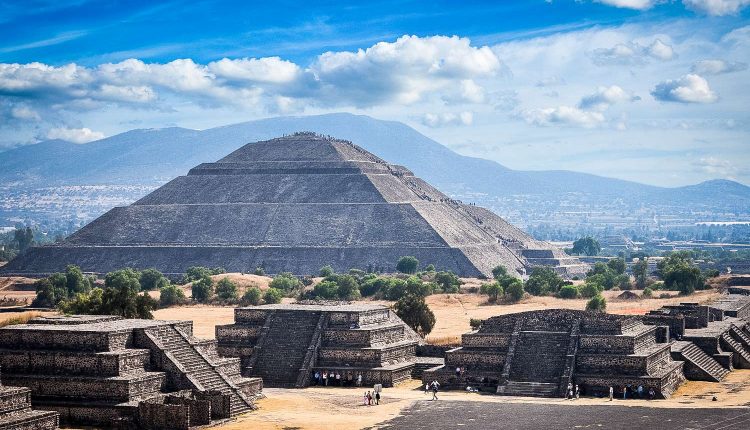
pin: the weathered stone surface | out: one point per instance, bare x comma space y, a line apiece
295, 204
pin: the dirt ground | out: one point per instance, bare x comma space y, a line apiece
342, 408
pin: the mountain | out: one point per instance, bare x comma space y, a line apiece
154, 156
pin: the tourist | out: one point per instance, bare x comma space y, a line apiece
364, 399
640, 391
325, 378
578, 392
359, 379
435, 387
651, 393
569, 391
426, 388
377, 397
611, 393
349, 379
369, 399
458, 372
624, 393
317, 378
338, 379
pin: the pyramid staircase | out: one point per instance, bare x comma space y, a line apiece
207, 372
528, 389
699, 365
16, 412
741, 355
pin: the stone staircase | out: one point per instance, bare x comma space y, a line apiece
16, 412
279, 363
548, 351
528, 389
740, 335
200, 371
742, 355
709, 369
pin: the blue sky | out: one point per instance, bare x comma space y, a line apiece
648, 90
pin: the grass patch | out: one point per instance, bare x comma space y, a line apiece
444, 340
19, 319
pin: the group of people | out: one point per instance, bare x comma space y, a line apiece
572, 392
371, 398
336, 379
433, 387
634, 392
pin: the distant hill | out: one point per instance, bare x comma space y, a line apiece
154, 156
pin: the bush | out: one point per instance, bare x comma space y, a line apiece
590, 288
407, 264
617, 265
272, 296
498, 272
475, 323
568, 292
170, 295
448, 281
252, 296
659, 285
285, 282
492, 290
597, 304
514, 290
429, 268
203, 289
394, 290
415, 313
680, 273
346, 285
227, 290
372, 286
326, 271
648, 292
665, 296
259, 271
543, 281
151, 279
119, 297
326, 290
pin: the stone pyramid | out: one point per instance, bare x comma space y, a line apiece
297, 203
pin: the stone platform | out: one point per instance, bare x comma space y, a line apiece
538, 353
100, 371
16, 412
287, 344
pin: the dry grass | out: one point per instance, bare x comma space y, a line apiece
14, 318
444, 340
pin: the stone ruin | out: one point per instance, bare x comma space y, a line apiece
296, 204
711, 339
286, 344
538, 353
16, 412
104, 370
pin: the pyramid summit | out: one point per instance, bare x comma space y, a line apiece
297, 203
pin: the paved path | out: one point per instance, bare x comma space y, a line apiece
429, 415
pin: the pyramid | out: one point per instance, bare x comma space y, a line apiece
295, 204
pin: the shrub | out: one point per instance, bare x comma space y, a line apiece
285, 282
407, 264
372, 286
665, 296
514, 290
272, 296
498, 272
150, 279
568, 292
448, 281
394, 290
597, 304
259, 271
227, 290
590, 289
617, 265
475, 323
195, 273
252, 296
170, 295
415, 313
492, 290
203, 289
326, 290
648, 292
326, 271
659, 285
429, 268
543, 281
347, 286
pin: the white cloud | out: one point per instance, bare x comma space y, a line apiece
716, 7
716, 166
24, 113
448, 118
563, 115
604, 97
716, 67
269, 69
633, 53
629, 4
75, 135
690, 88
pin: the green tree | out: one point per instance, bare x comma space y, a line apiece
151, 279
515, 290
75, 282
498, 272
252, 296
347, 286
195, 273
326, 290
272, 296
597, 304
259, 271
326, 271
203, 289
429, 268
407, 264
285, 282
590, 288
448, 281
49, 293
640, 272
493, 290
84, 303
543, 281
586, 246
374, 285
226, 290
647, 292
23, 238
568, 292
120, 296
170, 295
415, 313
417, 287
617, 265
394, 289
680, 273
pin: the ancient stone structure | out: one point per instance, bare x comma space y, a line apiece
104, 370
538, 353
16, 412
295, 204
287, 344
